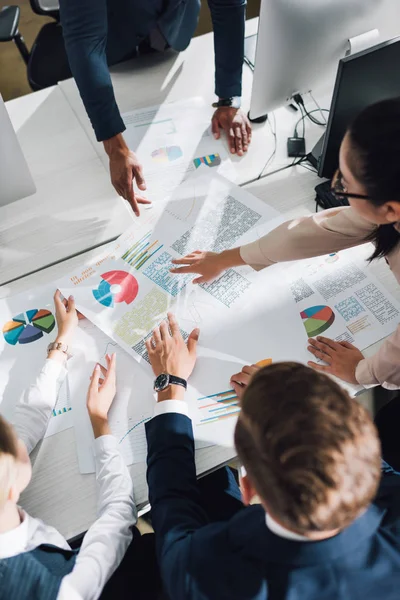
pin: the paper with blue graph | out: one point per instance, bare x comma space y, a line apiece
173, 140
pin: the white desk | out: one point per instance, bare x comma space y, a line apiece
75, 206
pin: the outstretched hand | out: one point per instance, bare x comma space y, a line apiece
341, 358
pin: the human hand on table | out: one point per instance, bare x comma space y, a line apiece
125, 168
101, 393
342, 358
236, 126
241, 380
170, 354
209, 265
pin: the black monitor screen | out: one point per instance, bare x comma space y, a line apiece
362, 79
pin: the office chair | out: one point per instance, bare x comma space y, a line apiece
46, 61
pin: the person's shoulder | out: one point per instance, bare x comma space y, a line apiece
388, 501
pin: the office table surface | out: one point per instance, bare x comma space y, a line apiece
170, 76
59, 494
75, 206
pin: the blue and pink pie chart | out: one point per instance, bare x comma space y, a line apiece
28, 327
115, 287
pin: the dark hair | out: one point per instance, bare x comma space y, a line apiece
311, 452
375, 140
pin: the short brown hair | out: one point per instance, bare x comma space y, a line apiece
8, 455
311, 452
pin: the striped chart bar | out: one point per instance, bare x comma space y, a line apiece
217, 407
138, 254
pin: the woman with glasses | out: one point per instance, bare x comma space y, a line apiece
369, 178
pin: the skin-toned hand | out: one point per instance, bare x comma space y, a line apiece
209, 265
100, 395
168, 351
125, 168
241, 380
236, 126
342, 358
66, 317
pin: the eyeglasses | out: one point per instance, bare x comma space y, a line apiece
338, 189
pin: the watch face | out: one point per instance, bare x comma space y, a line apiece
161, 382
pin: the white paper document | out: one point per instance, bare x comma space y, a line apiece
337, 297
172, 141
28, 325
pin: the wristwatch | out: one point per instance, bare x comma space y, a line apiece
234, 102
60, 347
164, 380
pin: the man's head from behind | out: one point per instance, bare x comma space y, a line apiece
311, 452
15, 465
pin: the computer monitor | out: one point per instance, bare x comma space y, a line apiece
300, 42
362, 79
15, 179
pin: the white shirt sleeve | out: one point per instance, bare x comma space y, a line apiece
106, 542
171, 406
33, 411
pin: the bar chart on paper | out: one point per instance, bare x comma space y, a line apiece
138, 254
222, 405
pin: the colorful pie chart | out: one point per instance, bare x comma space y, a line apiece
115, 287
28, 327
317, 319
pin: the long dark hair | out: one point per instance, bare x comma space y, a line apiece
375, 162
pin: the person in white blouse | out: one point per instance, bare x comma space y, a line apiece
22, 537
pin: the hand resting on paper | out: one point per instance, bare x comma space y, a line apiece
101, 393
341, 358
241, 380
209, 265
170, 354
236, 126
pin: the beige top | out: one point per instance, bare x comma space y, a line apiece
330, 231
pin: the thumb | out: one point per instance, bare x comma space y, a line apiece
94, 383
215, 128
192, 341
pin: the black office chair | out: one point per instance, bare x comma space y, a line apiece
47, 61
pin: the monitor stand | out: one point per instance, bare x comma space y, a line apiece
314, 156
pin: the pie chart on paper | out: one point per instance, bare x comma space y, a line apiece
115, 287
317, 319
28, 327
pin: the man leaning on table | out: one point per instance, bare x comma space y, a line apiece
98, 33
328, 526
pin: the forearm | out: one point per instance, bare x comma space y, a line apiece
228, 17
84, 25
34, 410
171, 476
383, 367
106, 542
329, 231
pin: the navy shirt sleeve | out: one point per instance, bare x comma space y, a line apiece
84, 24
228, 17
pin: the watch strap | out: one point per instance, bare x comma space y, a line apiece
233, 102
173, 380
60, 347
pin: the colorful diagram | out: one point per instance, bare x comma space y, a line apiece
211, 160
28, 327
332, 258
317, 319
115, 287
138, 254
167, 154
223, 405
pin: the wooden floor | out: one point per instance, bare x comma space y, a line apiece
13, 82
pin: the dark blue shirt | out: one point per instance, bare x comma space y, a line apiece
99, 33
